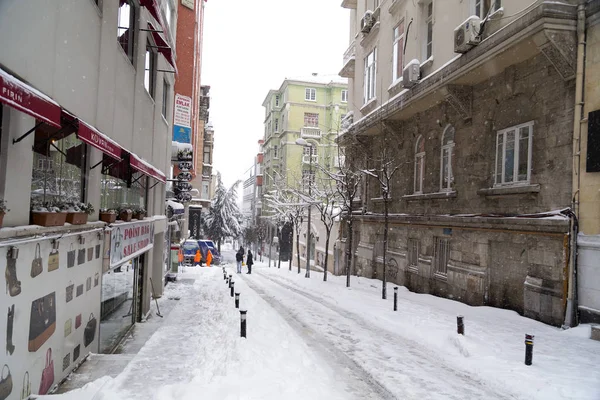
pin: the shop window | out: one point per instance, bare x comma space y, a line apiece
126, 27
116, 194
58, 173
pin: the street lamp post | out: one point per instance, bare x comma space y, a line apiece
304, 143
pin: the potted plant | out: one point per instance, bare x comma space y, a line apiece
77, 213
3, 210
125, 213
139, 213
48, 214
107, 215
184, 154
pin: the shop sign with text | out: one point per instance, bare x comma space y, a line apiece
128, 241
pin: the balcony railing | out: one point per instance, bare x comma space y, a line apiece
306, 158
310, 133
349, 61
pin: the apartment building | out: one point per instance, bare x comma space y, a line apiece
474, 102
252, 189
310, 108
85, 117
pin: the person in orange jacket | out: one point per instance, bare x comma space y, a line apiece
197, 257
180, 257
208, 258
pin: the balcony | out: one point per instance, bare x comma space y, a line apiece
349, 4
306, 159
347, 70
314, 133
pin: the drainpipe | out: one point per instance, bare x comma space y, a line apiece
577, 117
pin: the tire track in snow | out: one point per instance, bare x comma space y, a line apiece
363, 385
462, 384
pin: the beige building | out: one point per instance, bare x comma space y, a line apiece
475, 103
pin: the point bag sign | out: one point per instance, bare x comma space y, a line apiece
129, 241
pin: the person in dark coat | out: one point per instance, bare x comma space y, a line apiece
249, 261
239, 257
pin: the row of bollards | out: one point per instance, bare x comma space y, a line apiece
231, 284
460, 329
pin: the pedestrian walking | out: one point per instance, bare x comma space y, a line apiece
249, 261
239, 257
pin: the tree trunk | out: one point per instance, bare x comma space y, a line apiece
327, 233
270, 246
298, 249
260, 249
385, 239
219, 245
349, 252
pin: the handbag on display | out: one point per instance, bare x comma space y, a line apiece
68, 327
90, 331
79, 290
69, 291
88, 284
97, 251
53, 260
96, 279
42, 322
71, 257
6, 384
80, 256
77, 321
26, 391
90, 253
36, 264
47, 374
76, 352
66, 361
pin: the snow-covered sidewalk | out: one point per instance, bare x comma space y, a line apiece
416, 353
198, 353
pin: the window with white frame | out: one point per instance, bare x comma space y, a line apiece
308, 150
398, 51
513, 155
376, 4
441, 255
205, 190
311, 120
275, 151
165, 98
446, 174
308, 177
126, 27
276, 100
413, 253
150, 69
483, 8
344, 96
370, 72
276, 124
427, 30
310, 94
419, 164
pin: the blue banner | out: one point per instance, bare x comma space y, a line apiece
182, 134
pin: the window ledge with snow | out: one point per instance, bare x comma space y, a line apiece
381, 200
368, 105
430, 196
372, 33
36, 230
397, 84
509, 190
427, 63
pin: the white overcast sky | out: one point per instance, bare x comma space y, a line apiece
249, 48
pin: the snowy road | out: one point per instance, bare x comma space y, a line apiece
391, 365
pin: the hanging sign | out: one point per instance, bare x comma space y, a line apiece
183, 111
128, 241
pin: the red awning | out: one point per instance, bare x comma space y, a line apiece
95, 138
19, 95
142, 166
153, 9
163, 46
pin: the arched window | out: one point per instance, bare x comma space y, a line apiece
419, 164
446, 176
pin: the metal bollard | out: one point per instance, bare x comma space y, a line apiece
237, 300
232, 283
396, 298
224, 275
230, 276
528, 349
460, 325
243, 323
227, 281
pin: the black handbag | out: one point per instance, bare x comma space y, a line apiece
69, 291
80, 256
6, 384
90, 253
88, 284
97, 251
66, 361
71, 257
76, 352
36, 264
79, 290
90, 331
42, 322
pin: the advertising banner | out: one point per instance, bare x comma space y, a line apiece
183, 111
182, 134
128, 241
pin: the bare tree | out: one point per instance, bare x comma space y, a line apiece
384, 174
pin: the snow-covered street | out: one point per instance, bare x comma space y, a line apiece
309, 339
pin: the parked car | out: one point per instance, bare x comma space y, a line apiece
189, 251
206, 245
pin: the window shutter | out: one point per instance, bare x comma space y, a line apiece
593, 145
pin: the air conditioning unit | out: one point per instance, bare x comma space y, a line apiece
411, 74
466, 35
367, 22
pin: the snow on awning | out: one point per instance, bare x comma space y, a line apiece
90, 135
142, 166
21, 96
162, 46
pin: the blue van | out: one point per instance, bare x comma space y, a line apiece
206, 245
189, 251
